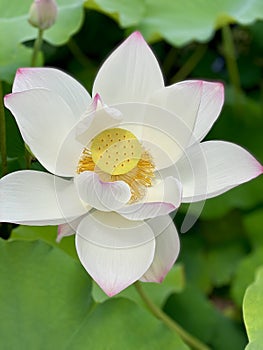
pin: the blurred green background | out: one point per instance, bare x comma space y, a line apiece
45, 295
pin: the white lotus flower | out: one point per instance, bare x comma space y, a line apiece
132, 152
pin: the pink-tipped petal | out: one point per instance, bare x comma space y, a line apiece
115, 252
105, 196
161, 199
44, 120
62, 84
183, 101
130, 74
214, 167
166, 250
210, 107
36, 198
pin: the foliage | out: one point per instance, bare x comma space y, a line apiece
46, 296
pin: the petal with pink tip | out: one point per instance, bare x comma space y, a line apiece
210, 107
62, 84
214, 167
44, 120
130, 74
183, 100
116, 252
166, 250
161, 199
36, 198
105, 196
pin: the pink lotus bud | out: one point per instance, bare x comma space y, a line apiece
43, 14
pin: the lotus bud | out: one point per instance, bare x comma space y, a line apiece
43, 13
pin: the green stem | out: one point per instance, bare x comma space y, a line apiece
168, 321
37, 47
190, 64
3, 133
230, 57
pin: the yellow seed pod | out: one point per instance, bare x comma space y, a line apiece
116, 151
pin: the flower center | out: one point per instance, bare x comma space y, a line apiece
116, 151
117, 155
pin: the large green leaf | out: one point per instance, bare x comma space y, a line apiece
127, 13
15, 29
245, 274
253, 311
44, 296
47, 234
180, 22
120, 324
45, 302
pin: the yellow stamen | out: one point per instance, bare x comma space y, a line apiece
117, 155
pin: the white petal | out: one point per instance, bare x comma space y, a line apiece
183, 100
69, 89
214, 167
36, 198
163, 134
161, 199
68, 229
105, 196
166, 250
130, 74
212, 101
44, 121
116, 252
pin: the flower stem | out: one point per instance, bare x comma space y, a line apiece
168, 321
230, 57
37, 47
190, 64
3, 133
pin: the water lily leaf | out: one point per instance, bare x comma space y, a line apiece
245, 274
15, 29
180, 22
253, 310
125, 12
173, 283
45, 302
44, 296
121, 324
47, 234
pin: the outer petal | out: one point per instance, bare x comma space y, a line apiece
105, 196
36, 198
62, 84
210, 107
161, 199
116, 252
183, 100
44, 120
214, 167
166, 250
130, 74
